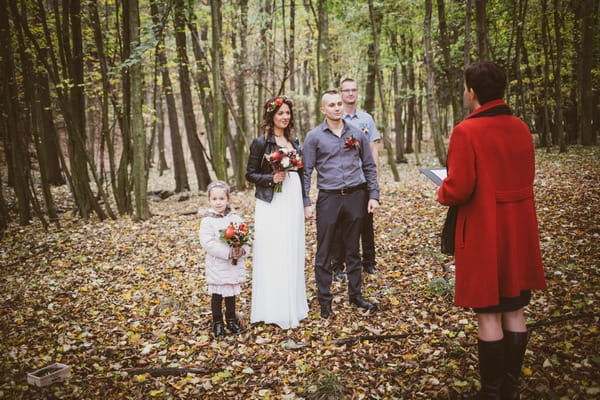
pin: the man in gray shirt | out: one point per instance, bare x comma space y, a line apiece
348, 189
363, 121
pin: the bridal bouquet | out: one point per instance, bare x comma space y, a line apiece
283, 159
236, 235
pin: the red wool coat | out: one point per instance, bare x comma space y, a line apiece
490, 177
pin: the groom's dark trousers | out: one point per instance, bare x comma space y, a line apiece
344, 209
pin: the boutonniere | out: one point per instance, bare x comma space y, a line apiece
365, 131
351, 143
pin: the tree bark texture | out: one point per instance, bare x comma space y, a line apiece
17, 149
375, 19
322, 54
219, 134
434, 123
560, 133
138, 131
482, 30
588, 11
449, 72
196, 147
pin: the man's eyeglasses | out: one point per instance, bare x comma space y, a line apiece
349, 90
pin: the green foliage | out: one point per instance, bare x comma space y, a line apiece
441, 287
325, 385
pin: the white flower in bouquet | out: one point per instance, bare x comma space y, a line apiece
285, 162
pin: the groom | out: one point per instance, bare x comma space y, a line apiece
348, 189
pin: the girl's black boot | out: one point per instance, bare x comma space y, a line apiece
232, 322
234, 326
515, 344
218, 329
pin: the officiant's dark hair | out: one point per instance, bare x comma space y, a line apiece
487, 80
270, 109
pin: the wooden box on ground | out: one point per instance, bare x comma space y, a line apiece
48, 375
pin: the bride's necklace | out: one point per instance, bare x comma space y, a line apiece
281, 141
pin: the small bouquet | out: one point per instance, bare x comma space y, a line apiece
236, 235
283, 159
351, 143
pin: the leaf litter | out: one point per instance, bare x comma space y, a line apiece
124, 305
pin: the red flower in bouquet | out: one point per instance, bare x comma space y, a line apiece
236, 235
283, 159
351, 143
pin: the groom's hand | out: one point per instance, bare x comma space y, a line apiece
308, 212
373, 206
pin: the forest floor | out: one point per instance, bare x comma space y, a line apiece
124, 305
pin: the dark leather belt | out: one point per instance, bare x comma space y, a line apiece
345, 191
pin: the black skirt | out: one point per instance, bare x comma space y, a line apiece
507, 304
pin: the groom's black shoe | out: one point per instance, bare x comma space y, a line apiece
326, 310
362, 303
370, 269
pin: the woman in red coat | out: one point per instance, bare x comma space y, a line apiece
491, 169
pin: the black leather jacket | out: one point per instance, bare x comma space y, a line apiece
258, 170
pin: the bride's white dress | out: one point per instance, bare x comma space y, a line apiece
278, 285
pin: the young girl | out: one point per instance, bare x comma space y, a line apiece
223, 277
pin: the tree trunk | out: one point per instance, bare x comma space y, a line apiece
558, 79
84, 198
106, 87
411, 110
240, 90
544, 138
375, 19
398, 122
398, 98
48, 134
219, 135
77, 148
179, 168
4, 216
467, 45
19, 163
449, 72
196, 147
42, 145
482, 30
584, 83
160, 134
292, 46
138, 131
440, 149
369, 103
322, 54
520, 13
201, 77
32, 123
123, 183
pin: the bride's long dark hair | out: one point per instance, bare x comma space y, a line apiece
270, 109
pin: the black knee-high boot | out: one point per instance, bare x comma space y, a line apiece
232, 321
515, 344
217, 315
491, 368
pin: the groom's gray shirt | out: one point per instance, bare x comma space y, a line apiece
338, 166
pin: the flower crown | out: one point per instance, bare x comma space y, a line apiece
278, 101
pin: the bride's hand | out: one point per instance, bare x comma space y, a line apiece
278, 176
308, 212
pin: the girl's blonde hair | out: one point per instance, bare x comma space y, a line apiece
219, 185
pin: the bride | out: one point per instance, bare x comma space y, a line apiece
278, 285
